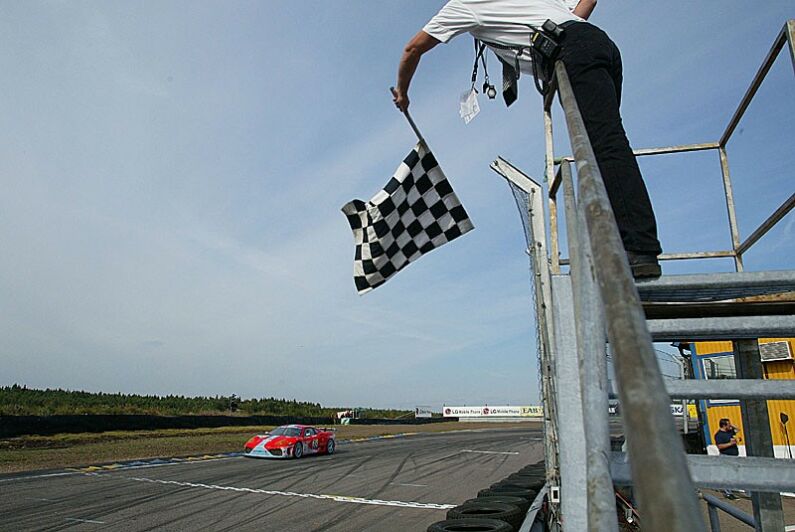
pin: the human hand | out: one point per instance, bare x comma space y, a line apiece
401, 99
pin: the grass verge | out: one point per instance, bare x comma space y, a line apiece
30, 453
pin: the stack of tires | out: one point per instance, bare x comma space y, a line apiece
499, 508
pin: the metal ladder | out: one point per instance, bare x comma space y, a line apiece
598, 301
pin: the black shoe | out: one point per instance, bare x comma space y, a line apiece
644, 266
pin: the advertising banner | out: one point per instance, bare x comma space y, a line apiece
423, 411
678, 410
532, 411
492, 411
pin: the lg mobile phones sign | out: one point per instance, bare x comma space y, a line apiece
492, 411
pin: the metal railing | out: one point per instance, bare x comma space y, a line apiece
600, 294
785, 37
535, 229
668, 502
714, 504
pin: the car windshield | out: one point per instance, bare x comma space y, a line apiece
285, 431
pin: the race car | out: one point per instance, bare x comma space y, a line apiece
291, 441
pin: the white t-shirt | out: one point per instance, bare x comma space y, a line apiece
499, 21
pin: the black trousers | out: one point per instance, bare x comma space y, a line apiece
593, 63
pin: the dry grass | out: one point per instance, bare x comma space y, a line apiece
27, 453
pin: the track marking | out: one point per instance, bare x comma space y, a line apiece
338, 498
84, 520
489, 452
412, 485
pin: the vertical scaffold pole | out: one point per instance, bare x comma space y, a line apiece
668, 501
768, 512
591, 349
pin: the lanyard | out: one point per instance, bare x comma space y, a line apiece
480, 56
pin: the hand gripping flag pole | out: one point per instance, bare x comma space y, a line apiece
416, 212
408, 117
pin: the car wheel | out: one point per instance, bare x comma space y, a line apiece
330, 447
298, 450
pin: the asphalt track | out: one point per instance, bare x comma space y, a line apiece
381, 485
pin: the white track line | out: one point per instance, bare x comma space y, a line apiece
84, 520
337, 498
489, 452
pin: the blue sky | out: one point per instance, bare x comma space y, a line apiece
172, 174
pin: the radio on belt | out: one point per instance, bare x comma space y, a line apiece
546, 42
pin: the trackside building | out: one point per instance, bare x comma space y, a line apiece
715, 360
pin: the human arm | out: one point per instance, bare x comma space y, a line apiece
724, 440
418, 45
584, 8
731, 443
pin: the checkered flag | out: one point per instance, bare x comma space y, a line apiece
416, 212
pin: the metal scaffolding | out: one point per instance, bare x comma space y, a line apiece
597, 301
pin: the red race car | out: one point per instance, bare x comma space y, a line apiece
291, 441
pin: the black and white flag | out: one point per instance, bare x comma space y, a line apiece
416, 212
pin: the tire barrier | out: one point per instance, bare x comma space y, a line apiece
522, 504
471, 525
487, 510
503, 505
530, 474
508, 491
525, 483
531, 483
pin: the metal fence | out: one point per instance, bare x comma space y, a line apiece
739, 247
714, 504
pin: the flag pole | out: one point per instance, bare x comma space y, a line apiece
408, 117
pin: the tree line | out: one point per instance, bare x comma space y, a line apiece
19, 400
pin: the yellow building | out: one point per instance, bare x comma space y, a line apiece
715, 360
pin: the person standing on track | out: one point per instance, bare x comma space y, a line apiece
593, 64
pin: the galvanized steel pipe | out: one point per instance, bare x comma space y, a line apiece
665, 491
